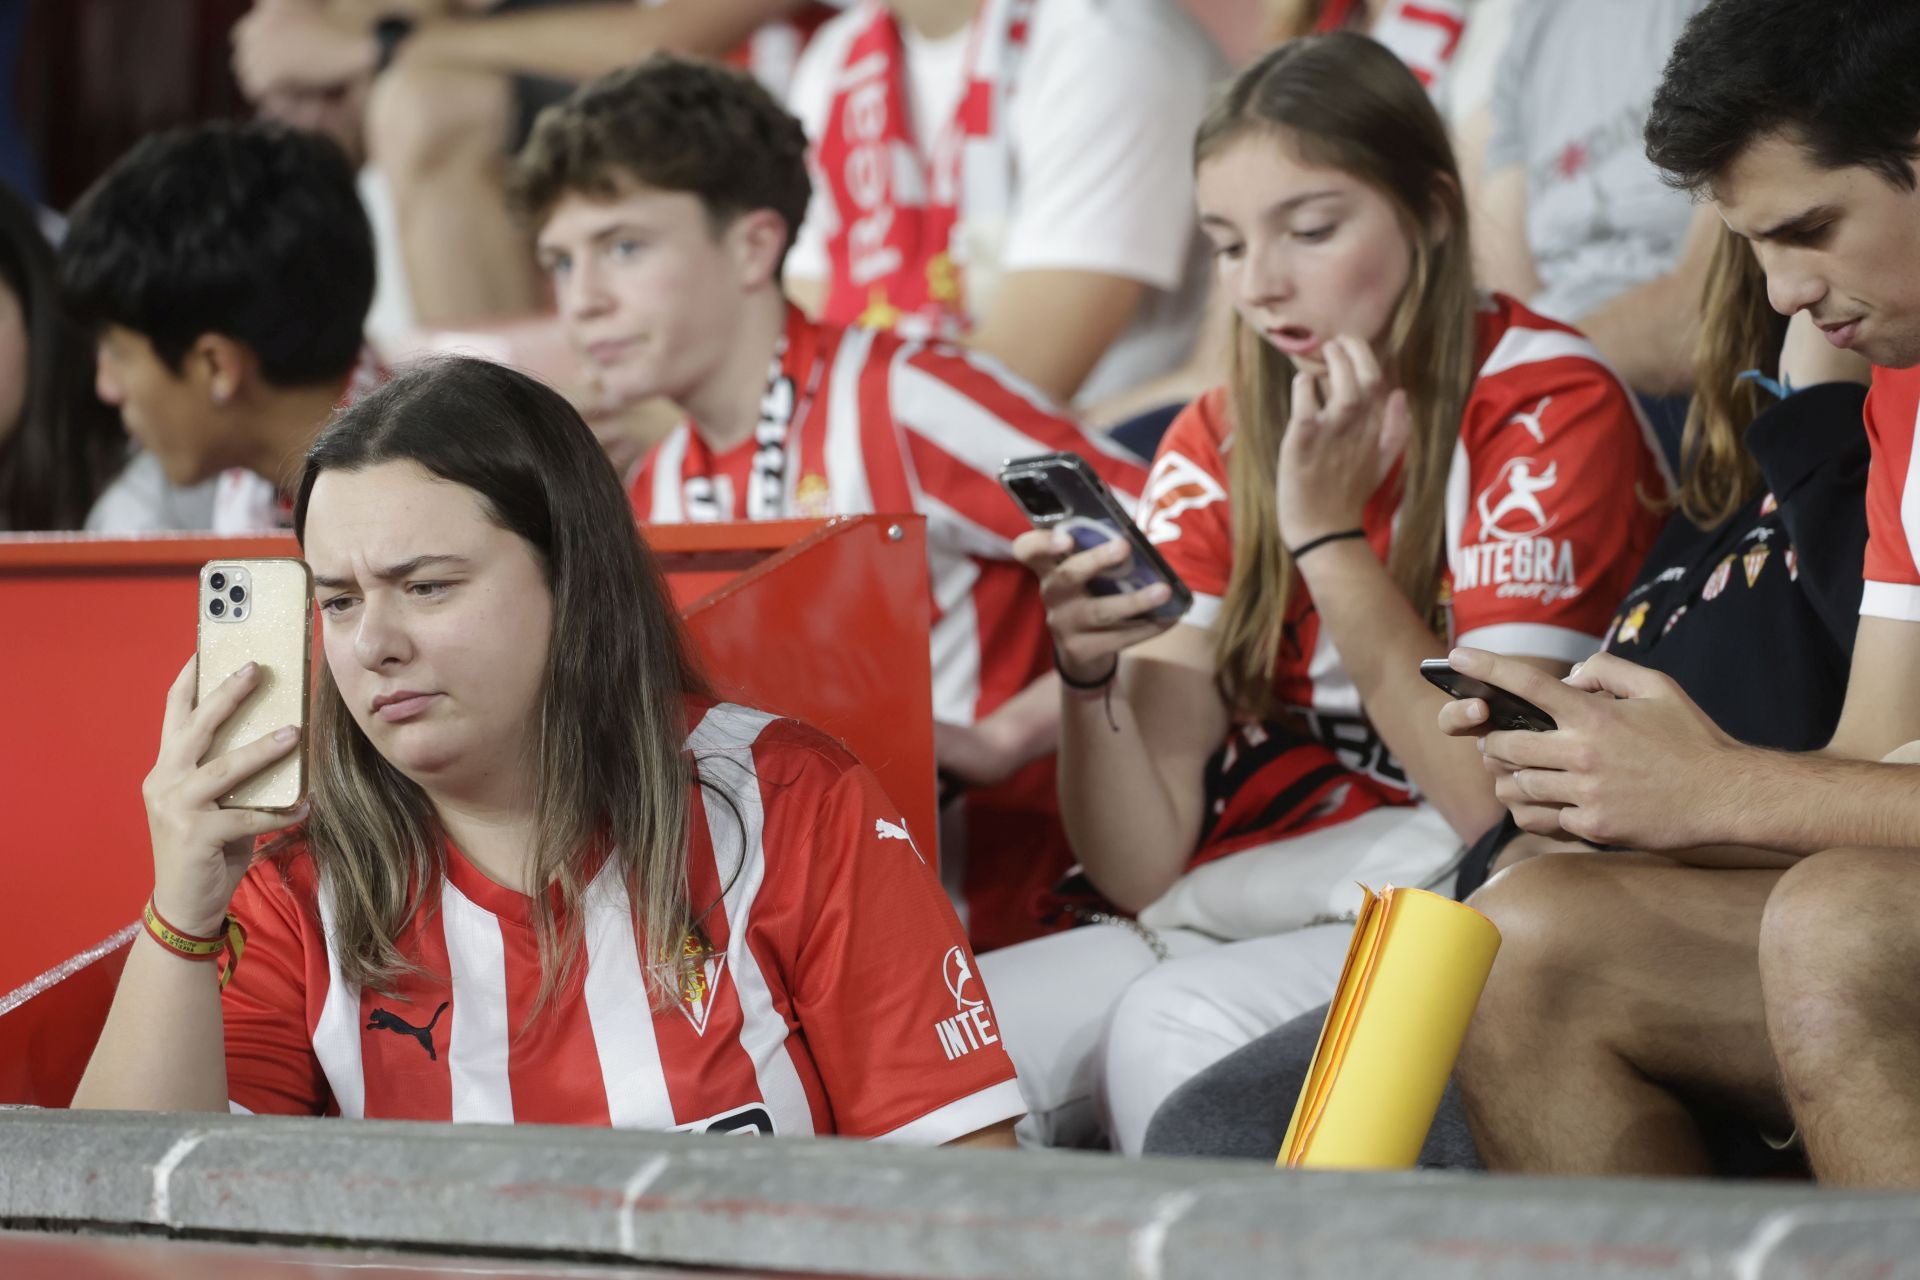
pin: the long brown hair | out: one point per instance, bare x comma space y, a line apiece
607, 754
1739, 330
1343, 101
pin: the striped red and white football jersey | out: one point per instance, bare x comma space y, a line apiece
886, 424
894, 425
1893, 498
840, 996
1545, 522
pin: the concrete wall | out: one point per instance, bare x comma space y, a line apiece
856, 1210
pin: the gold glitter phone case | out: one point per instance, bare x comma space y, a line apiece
259, 611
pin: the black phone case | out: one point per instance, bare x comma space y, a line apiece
1090, 516
1504, 710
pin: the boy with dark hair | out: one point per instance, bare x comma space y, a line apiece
1800, 120
227, 271
665, 199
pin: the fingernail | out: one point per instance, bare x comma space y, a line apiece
249, 669
1459, 659
285, 735
1159, 591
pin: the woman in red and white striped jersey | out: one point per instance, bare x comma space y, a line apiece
542, 874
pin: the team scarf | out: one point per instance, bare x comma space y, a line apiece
895, 258
792, 380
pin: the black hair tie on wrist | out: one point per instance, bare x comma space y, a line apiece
1086, 685
1314, 544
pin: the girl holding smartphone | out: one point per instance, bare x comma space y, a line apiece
1398, 464
542, 874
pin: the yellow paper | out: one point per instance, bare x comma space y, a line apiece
1414, 972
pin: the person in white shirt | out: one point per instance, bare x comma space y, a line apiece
1037, 196
226, 271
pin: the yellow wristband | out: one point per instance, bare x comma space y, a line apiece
189, 945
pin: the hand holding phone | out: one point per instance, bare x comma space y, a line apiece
1104, 585
1504, 710
260, 612
1059, 491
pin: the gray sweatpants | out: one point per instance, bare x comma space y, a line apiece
1240, 1106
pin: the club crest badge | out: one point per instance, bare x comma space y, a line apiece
1717, 581
698, 986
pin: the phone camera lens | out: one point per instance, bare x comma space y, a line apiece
217, 607
238, 594
1035, 496
218, 582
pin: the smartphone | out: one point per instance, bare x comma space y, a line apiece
259, 611
1504, 710
1060, 491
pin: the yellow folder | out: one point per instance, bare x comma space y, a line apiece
1413, 974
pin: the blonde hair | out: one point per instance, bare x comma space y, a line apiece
1345, 102
1739, 330
611, 773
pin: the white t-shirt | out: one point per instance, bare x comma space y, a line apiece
1102, 119
142, 500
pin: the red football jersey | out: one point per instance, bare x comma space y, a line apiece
840, 996
1545, 522
884, 424
892, 425
1892, 568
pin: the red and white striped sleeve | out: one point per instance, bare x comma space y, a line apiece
883, 985
271, 1064
962, 416
1892, 567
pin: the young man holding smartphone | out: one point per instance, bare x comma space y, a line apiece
1800, 119
665, 198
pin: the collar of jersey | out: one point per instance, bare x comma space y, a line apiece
508, 905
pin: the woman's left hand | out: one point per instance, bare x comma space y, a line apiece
1346, 429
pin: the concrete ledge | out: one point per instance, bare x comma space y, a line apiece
858, 1210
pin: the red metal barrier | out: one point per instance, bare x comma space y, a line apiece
824, 620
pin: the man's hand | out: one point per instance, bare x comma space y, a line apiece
1634, 761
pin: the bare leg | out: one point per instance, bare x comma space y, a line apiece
1840, 963
1623, 982
440, 135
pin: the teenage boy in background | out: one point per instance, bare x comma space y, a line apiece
227, 271
665, 199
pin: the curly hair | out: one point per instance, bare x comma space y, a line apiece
672, 124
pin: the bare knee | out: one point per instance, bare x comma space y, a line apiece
418, 117
1840, 949
1548, 960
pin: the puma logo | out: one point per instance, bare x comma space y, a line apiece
890, 830
387, 1020
1531, 422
